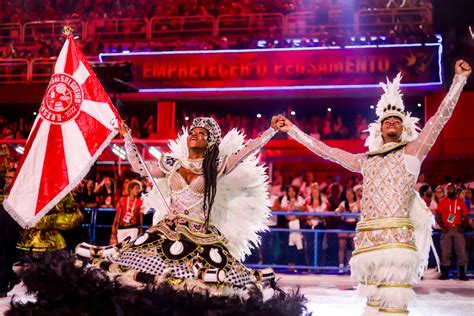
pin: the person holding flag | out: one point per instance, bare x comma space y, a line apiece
76, 122
212, 204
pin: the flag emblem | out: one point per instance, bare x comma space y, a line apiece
76, 122
62, 100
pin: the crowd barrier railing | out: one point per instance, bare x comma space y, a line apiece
307, 24
386, 19
250, 24
176, 27
41, 69
162, 28
126, 29
14, 71
11, 33
35, 31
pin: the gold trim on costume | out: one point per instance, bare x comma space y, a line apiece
381, 247
386, 148
368, 282
375, 224
393, 310
400, 285
184, 227
373, 303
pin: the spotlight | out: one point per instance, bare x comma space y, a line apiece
419, 105
293, 113
259, 115
34, 113
329, 109
372, 107
186, 118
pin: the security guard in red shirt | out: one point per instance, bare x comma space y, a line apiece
452, 217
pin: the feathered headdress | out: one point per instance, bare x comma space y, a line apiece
391, 104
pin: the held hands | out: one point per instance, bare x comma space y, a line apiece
281, 123
462, 68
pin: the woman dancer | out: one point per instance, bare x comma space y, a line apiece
189, 262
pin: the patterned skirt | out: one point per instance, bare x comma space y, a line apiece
182, 248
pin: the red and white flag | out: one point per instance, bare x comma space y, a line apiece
75, 123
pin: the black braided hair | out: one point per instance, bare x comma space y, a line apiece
210, 179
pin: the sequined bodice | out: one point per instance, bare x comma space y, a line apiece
186, 198
388, 186
385, 219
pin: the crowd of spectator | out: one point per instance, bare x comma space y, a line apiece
27, 10
293, 191
18, 128
46, 46
405, 34
321, 127
50, 46
290, 191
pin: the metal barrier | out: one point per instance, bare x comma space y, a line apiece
319, 251
10, 33
255, 24
42, 69
182, 27
306, 24
14, 71
39, 30
384, 20
118, 29
250, 24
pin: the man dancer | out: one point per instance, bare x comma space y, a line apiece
386, 261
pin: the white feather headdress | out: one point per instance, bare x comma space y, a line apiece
391, 104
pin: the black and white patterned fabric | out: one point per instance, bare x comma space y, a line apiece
182, 258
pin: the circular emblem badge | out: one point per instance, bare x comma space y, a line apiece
62, 100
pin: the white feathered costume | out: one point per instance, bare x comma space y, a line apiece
183, 244
394, 233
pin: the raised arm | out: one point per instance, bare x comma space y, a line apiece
251, 147
133, 156
350, 161
428, 135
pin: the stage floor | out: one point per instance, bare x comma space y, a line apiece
335, 295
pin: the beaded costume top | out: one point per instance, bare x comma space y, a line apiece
186, 199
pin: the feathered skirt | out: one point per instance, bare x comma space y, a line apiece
178, 267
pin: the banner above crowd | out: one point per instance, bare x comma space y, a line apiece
297, 68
